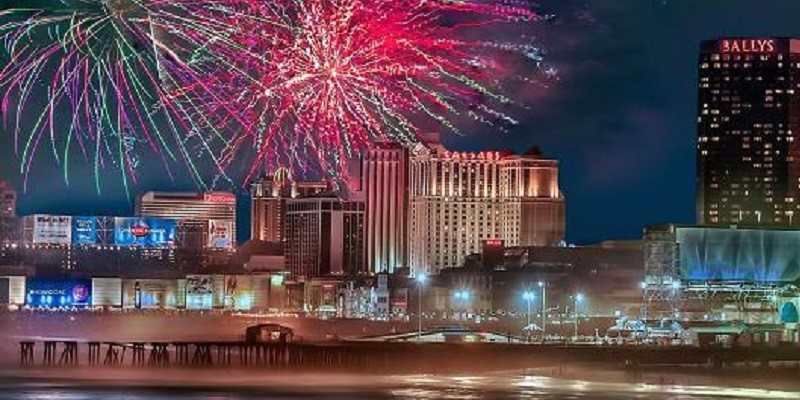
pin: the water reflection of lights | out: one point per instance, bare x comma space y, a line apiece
548, 384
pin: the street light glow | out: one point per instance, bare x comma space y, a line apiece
528, 295
579, 297
421, 278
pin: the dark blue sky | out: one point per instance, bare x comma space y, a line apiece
620, 120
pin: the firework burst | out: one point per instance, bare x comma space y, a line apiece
299, 82
91, 76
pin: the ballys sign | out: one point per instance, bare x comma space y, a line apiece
747, 46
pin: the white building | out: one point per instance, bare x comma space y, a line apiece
461, 199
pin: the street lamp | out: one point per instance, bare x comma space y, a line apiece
544, 310
578, 299
528, 296
421, 278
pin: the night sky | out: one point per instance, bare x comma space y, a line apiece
621, 120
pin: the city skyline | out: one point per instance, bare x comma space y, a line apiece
646, 100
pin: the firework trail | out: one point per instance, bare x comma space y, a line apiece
92, 76
311, 83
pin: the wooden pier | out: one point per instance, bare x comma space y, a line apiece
379, 356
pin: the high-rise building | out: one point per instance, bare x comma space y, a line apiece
459, 200
8, 200
324, 236
748, 123
385, 185
206, 220
268, 203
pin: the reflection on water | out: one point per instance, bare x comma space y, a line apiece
416, 387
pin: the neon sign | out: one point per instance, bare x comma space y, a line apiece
220, 198
747, 46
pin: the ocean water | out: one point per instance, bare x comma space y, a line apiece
416, 387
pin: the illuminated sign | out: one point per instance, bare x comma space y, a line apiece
52, 229
494, 243
85, 231
220, 234
140, 230
58, 293
145, 232
219, 197
747, 46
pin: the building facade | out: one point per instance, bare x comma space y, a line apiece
207, 220
460, 200
267, 207
385, 185
8, 200
268, 203
748, 123
324, 237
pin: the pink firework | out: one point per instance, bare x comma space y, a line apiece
312, 83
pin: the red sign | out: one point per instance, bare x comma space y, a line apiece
747, 46
140, 230
220, 197
494, 243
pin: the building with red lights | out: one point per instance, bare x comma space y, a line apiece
207, 219
460, 200
747, 127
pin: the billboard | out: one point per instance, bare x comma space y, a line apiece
52, 229
220, 234
85, 231
751, 255
199, 292
144, 232
53, 293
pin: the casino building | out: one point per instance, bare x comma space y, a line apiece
459, 200
206, 220
748, 124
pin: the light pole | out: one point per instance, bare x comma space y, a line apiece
421, 278
543, 285
578, 299
528, 296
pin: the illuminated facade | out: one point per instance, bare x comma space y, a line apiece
459, 200
324, 236
385, 183
268, 200
268, 203
8, 201
748, 124
207, 220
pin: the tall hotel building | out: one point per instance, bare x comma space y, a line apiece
747, 128
268, 203
385, 184
459, 200
204, 218
324, 236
